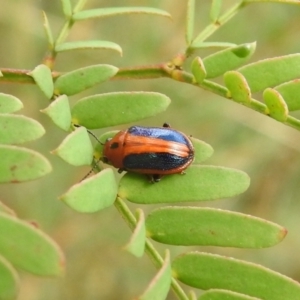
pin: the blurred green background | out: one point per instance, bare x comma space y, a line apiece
96, 265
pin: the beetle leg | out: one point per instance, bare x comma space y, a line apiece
104, 159
121, 170
182, 173
166, 125
155, 178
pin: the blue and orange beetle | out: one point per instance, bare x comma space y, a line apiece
155, 151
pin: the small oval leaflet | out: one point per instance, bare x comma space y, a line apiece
43, 78
207, 271
226, 60
9, 103
33, 250
17, 129
211, 227
160, 284
59, 112
76, 149
96, 44
136, 245
218, 294
127, 107
81, 79
92, 194
21, 164
200, 183
10, 281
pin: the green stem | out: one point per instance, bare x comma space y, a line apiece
64, 32
19, 76
50, 58
149, 248
79, 6
211, 28
152, 72
293, 122
147, 72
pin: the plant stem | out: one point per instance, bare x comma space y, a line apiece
152, 72
149, 248
211, 28
64, 32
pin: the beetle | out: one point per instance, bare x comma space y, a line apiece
155, 151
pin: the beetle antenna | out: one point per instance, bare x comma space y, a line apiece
94, 166
92, 134
87, 175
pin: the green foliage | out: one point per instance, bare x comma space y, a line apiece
136, 245
200, 183
59, 112
9, 287
100, 191
76, 149
21, 164
29, 249
127, 106
24, 246
211, 227
9, 103
79, 80
160, 284
43, 78
193, 269
28, 129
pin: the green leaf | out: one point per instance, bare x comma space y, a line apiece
9, 103
198, 69
5, 209
136, 245
190, 16
201, 44
114, 11
59, 112
111, 109
276, 105
228, 59
28, 248
43, 78
21, 164
9, 284
76, 149
79, 45
203, 151
67, 8
17, 129
238, 87
211, 227
271, 72
200, 183
206, 271
48, 31
81, 79
92, 194
159, 286
215, 10
217, 294
290, 92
